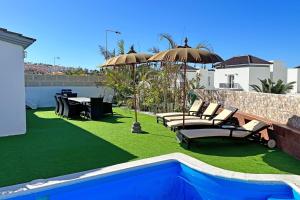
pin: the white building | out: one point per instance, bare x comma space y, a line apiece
206, 78
238, 73
278, 71
12, 86
203, 77
294, 75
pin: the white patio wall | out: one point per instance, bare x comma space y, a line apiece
12, 90
43, 96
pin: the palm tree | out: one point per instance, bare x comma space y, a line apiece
173, 44
268, 86
121, 47
109, 54
106, 54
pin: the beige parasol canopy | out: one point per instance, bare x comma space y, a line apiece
131, 58
185, 54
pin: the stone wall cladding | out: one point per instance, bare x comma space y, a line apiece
36, 80
284, 109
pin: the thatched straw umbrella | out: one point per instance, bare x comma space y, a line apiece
132, 59
185, 54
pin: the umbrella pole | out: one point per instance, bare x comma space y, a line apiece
184, 94
134, 92
136, 127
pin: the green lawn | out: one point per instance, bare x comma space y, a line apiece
54, 146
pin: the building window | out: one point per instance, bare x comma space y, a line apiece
230, 81
208, 81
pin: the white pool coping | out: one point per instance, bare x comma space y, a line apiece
42, 184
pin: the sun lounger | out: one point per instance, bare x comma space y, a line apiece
195, 108
208, 113
223, 117
249, 130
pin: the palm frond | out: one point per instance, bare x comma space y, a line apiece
169, 38
106, 54
154, 50
256, 88
205, 45
268, 86
121, 47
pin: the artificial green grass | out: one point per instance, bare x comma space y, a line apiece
54, 146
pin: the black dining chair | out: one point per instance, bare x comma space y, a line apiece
56, 104
71, 109
107, 105
94, 110
61, 106
70, 94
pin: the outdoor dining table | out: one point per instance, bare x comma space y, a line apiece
82, 100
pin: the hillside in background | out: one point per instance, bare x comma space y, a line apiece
40, 68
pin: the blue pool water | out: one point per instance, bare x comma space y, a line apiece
171, 180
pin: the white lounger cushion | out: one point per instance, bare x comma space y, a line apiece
168, 114
254, 125
194, 108
190, 122
210, 110
174, 118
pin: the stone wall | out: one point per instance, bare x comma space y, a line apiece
36, 80
284, 109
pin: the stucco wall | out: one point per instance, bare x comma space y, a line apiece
35, 80
205, 76
12, 90
283, 109
241, 76
294, 75
278, 71
40, 89
256, 73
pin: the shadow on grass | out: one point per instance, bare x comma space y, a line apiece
114, 119
54, 147
287, 163
229, 147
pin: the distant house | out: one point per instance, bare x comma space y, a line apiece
294, 75
203, 77
12, 84
238, 73
190, 72
206, 78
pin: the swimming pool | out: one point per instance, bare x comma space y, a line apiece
168, 179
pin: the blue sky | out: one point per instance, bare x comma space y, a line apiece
72, 30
